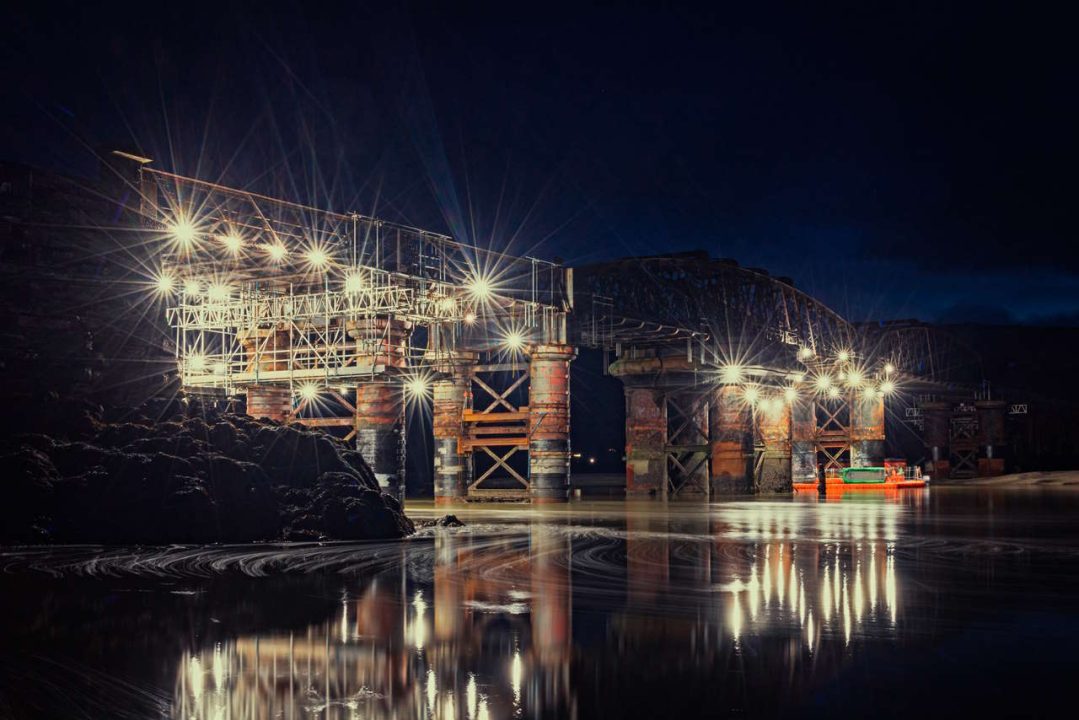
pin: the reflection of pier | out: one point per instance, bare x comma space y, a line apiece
770, 599
467, 644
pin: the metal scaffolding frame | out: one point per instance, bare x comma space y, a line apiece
496, 429
250, 306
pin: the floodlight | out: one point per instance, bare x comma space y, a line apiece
751, 394
353, 282
317, 257
183, 231
479, 287
217, 292
277, 251
165, 283
514, 341
233, 242
417, 387
731, 373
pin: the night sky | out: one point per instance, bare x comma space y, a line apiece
915, 161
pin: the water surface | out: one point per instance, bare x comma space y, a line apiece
941, 602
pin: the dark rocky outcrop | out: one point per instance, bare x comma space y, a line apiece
446, 521
176, 471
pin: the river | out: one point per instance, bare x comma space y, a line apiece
942, 602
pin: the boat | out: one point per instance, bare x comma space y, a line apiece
893, 475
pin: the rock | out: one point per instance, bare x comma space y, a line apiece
444, 521
75, 458
28, 484
200, 476
223, 436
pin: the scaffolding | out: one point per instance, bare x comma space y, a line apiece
266, 291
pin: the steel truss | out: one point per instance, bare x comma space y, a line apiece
496, 429
933, 356
963, 445
833, 432
326, 412
734, 313
687, 449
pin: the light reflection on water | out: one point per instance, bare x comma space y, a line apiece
597, 609
490, 633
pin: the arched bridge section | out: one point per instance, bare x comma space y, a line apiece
735, 314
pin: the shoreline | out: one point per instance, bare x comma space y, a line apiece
1035, 479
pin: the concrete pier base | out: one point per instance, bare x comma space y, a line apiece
730, 439
646, 438
273, 402
804, 442
451, 395
548, 422
380, 433
867, 430
774, 421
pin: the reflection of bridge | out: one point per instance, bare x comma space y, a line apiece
550, 619
459, 644
735, 381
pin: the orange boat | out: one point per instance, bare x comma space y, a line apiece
895, 475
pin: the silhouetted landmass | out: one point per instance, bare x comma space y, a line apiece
197, 476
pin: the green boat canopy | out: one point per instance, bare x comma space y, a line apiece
864, 475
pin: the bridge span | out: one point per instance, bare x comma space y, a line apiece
735, 381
